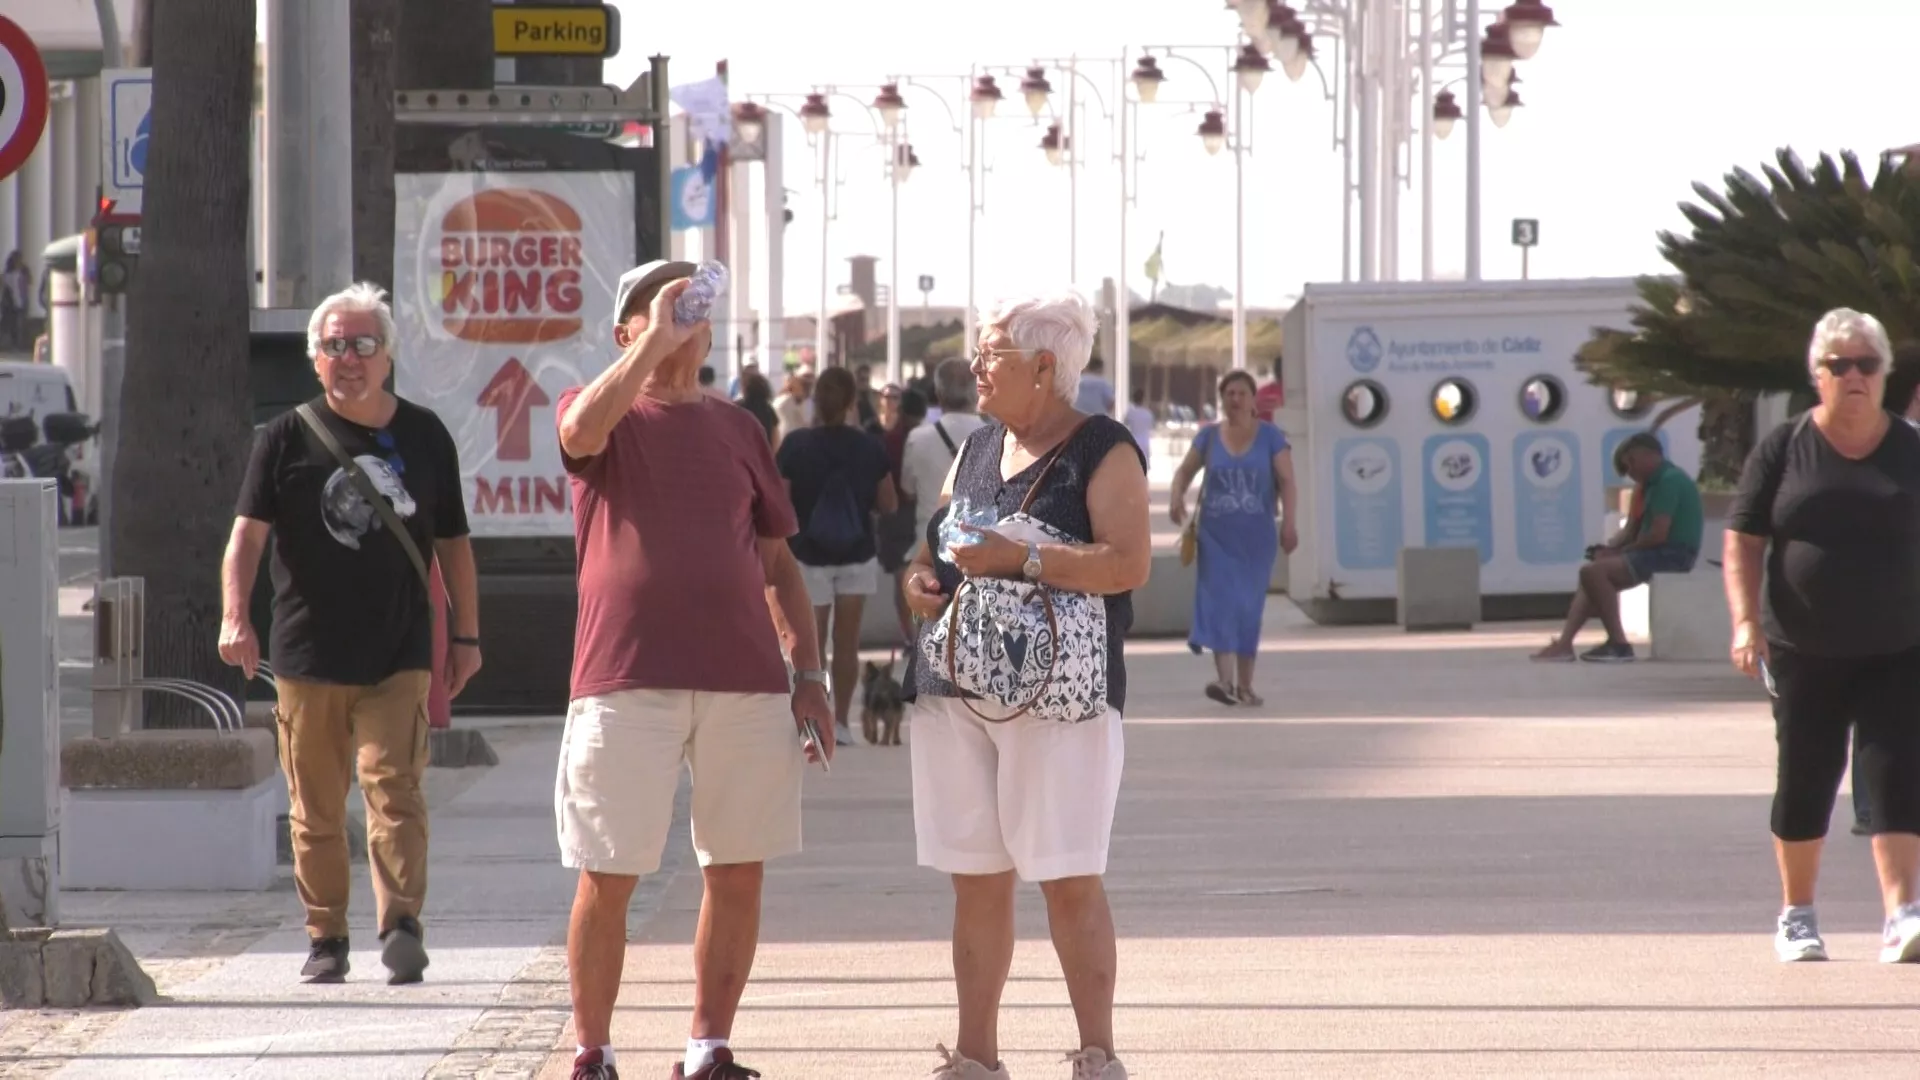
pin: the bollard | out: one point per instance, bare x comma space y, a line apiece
439, 705
29, 703
119, 664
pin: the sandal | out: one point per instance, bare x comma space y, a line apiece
1249, 698
1221, 693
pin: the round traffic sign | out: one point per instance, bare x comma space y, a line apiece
23, 97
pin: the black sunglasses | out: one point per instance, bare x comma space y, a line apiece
363, 346
1840, 366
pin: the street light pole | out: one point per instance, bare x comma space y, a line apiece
1426, 140
1122, 296
1473, 140
1239, 229
826, 218
1073, 172
894, 146
968, 327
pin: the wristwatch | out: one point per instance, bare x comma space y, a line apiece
813, 676
1031, 568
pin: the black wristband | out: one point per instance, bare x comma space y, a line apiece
473, 641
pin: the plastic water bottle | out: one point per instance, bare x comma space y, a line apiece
694, 304
962, 512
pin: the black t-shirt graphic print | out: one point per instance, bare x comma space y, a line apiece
348, 606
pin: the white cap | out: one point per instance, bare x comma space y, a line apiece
643, 277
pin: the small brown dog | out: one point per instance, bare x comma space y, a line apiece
882, 705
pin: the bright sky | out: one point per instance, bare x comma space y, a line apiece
1626, 105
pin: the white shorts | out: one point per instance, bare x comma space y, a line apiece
1033, 796
620, 762
824, 583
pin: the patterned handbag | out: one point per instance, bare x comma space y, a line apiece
1030, 649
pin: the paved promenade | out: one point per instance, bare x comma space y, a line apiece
1425, 857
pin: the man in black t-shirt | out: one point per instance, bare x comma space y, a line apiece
352, 638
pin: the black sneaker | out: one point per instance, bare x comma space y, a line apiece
1612, 652
327, 962
405, 951
590, 1065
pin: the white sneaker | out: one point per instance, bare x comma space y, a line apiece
1798, 937
955, 1067
1093, 1064
1900, 943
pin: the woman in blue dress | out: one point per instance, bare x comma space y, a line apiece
1249, 468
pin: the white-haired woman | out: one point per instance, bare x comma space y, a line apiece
1029, 796
1829, 507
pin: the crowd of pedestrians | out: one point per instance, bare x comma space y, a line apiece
1000, 492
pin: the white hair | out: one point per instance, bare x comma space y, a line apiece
1063, 324
1845, 324
360, 296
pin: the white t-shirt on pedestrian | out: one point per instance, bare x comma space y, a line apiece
1096, 396
926, 460
1140, 422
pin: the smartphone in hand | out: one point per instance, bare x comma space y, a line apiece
813, 734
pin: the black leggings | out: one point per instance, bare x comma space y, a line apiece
1817, 699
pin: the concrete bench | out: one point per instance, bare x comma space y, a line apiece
1439, 588
188, 810
1687, 616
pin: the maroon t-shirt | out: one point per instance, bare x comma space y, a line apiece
667, 522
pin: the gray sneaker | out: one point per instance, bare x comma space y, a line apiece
1612, 652
1900, 943
955, 1067
1093, 1064
1798, 937
404, 952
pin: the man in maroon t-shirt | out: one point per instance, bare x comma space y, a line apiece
687, 590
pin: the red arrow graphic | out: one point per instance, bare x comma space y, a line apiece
514, 392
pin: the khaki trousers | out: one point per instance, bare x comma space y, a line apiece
326, 733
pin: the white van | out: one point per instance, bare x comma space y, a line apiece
40, 391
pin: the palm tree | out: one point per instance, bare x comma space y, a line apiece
182, 423
1764, 260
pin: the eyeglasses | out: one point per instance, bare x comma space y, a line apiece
1840, 366
982, 354
363, 346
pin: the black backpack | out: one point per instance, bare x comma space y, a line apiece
836, 528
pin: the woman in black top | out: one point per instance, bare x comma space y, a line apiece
756, 396
839, 479
1030, 796
1829, 506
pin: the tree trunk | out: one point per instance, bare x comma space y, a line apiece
445, 45
186, 425
1726, 437
371, 29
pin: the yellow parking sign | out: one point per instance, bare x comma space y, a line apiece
535, 30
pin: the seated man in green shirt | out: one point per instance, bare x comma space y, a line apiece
1662, 537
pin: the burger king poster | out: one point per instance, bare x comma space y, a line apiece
503, 292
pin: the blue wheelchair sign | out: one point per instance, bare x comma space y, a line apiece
128, 123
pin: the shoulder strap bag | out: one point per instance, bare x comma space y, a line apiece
940, 429
1190, 532
363, 484
1036, 591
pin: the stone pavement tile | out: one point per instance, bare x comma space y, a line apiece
229, 962
1425, 857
